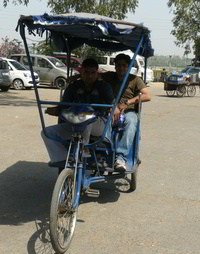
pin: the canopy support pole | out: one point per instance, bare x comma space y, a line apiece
22, 33
145, 70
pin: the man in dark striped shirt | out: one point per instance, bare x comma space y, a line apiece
87, 89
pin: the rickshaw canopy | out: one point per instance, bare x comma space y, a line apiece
72, 30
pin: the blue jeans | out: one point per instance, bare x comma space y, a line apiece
125, 143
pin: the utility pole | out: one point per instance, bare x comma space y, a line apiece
170, 63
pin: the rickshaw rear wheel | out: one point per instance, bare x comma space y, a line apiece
62, 215
181, 90
133, 182
170, 93
191, 90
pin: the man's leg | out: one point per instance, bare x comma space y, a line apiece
96, 129
56, 150
126, 141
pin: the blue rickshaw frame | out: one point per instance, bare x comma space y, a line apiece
112, 35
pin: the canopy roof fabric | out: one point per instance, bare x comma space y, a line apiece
72, 30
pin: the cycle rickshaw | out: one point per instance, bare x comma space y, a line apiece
177, 85
70, 31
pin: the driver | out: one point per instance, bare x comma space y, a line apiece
87, 89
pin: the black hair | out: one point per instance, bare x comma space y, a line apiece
124, 57
90, 62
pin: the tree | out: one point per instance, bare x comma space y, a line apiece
45, 48
110, 8
186, 23
25, 2
10, 47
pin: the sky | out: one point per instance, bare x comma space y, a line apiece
154, 14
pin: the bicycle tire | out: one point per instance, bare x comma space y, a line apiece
61, 234
181, 90
170, 93
133, 182
191, 91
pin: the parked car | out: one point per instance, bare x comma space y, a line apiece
52, 71
75, 62
5, 81
106, 63
190, 74
20, 75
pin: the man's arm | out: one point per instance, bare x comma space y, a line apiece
68, 97
145, 96
53, 111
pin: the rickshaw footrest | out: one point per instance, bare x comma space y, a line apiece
92, 193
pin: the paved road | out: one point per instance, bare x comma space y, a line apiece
162, 216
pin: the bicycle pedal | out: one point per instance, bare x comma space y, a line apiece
92, 193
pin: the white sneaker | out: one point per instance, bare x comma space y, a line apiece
120, 166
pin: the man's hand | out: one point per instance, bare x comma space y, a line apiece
53, 111
116, 115
122, 106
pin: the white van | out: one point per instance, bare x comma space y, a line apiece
20, 76
106, 63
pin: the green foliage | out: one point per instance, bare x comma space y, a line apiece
45, 48
87, 51
186, 22
8, 47
168, 61
110, 8
24, 2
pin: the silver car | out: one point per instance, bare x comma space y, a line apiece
51, 70
5, 81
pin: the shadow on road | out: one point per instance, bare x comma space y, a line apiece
26, 189
39, 242
165, 96
25, 196
15, 99
25, 192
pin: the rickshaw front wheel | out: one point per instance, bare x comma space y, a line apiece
62, 214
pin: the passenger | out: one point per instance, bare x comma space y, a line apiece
87, 89
128, 105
